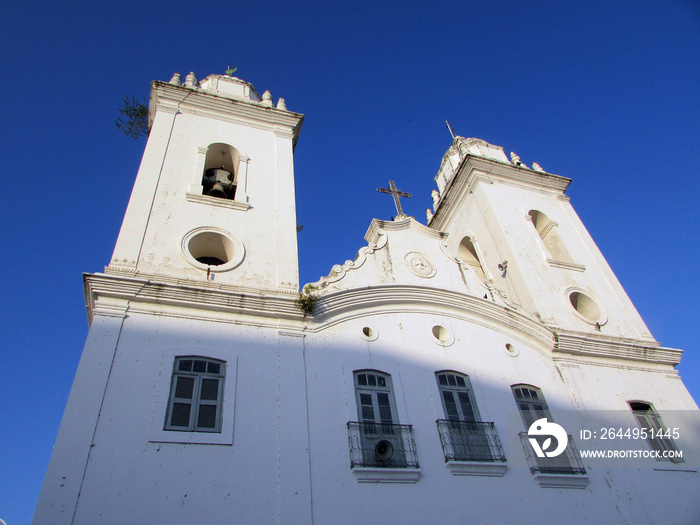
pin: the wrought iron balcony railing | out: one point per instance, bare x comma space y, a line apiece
568, 462
381, 445
470, 441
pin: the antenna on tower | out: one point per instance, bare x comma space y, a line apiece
449, 128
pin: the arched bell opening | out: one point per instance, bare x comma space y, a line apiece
220, 176
547, 230
467, 252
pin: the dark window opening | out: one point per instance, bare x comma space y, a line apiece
195, 395
220, 176
217, 182
211, 261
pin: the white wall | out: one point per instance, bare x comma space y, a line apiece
286, 461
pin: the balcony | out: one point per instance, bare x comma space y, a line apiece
563, 471
471, 448
381, 452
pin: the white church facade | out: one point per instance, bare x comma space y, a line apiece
404, 387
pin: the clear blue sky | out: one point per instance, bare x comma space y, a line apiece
603, 92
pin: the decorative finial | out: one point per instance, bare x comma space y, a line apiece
428, 214
281, 104
435, 194
515, 159
191, 80
176, 81
267, 99
230, 71
537, 167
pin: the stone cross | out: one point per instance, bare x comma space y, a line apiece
396, 194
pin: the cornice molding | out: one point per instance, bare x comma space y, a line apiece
216, 201
378, 227
115, 295
103, 289
517, 175
167, 97
338, 306
590, 345
566, 265
475, 170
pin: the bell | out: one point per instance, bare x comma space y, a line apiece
217, 191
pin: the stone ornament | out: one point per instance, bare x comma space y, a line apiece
191, 80
420, 265
267, 99
435, 195
339, 271
515, 159
537, 167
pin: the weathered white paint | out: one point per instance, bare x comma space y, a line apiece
282, 455
167, 202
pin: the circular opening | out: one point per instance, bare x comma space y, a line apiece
441, 333
211, 248
210, 261
585, 306
511, 350
369, 334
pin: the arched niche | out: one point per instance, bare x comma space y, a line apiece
221, 166
467, 252
548, 232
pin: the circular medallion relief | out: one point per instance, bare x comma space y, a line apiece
420, 265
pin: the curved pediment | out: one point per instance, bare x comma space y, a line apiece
405, 252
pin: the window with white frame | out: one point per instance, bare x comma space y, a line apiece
463, 435
531, 403
196, 395
375, 400
457, 398
533, 407
658, 436
376, 440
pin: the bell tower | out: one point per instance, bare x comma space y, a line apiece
515, 227
214, 196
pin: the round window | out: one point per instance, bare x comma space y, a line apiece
511, 350
442, 335
212, 249
586, 307
369, 334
